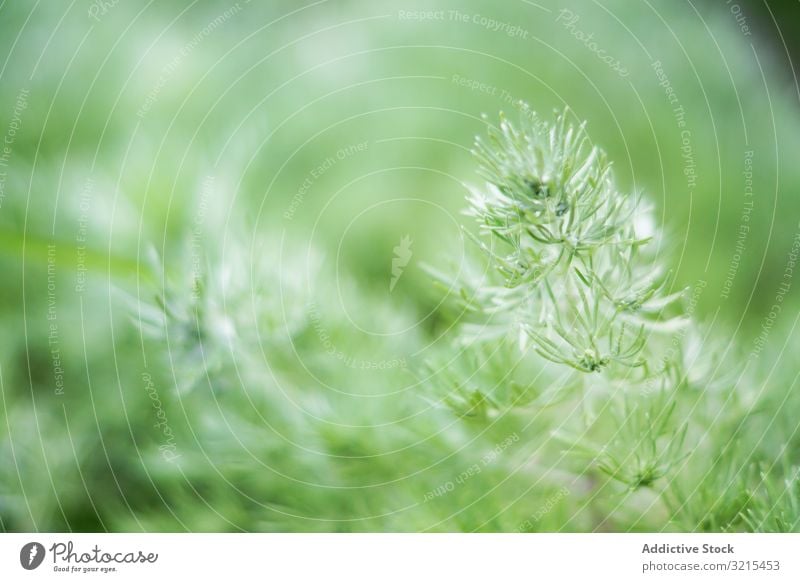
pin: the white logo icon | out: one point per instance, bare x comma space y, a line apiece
402, 255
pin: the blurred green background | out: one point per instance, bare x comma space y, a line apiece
284, 150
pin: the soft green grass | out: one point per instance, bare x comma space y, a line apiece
228, 367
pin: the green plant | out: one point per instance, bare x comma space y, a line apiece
284, 414
775, 505
568, 265
568, 343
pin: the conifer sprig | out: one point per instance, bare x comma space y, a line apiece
568, 248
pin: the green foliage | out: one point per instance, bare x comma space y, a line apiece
645, 446
284, 364
775, 505
570, 274
573, 274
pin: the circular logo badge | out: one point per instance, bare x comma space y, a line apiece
31, 555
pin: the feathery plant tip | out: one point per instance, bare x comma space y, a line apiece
575, 275
572, 275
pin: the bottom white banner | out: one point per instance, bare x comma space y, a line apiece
371, 557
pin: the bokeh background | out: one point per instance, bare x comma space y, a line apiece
282, 152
